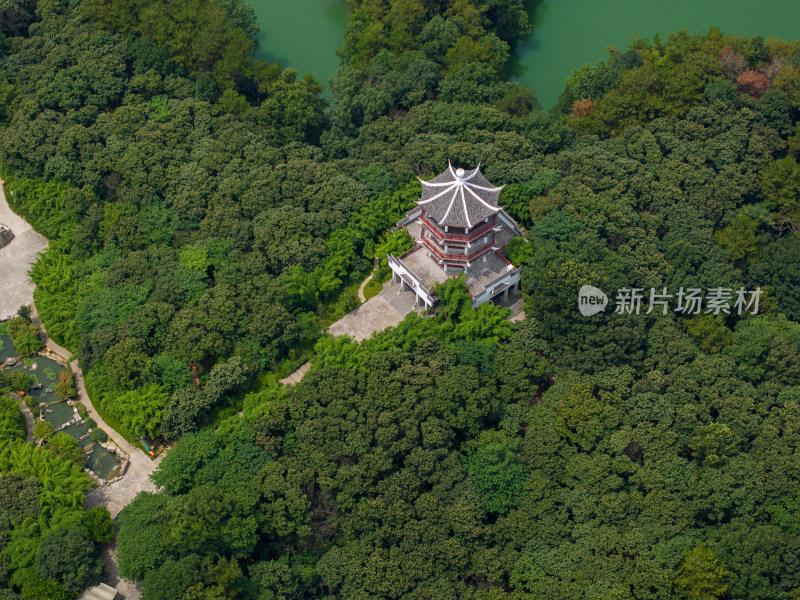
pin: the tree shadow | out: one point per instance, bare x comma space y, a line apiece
537, 11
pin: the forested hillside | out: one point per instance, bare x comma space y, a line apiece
209, 214
49, 546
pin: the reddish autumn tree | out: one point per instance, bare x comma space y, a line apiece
582, 108
753, 83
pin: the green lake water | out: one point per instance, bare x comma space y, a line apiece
43, 366
305, 34
77, 430
569, 33
6, 348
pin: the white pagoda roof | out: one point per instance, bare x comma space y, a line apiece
459, 198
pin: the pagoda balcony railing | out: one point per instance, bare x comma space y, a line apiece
497, 285
451, 256
455, 243
475, 242
456, 236
400, 268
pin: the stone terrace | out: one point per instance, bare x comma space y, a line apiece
481, 273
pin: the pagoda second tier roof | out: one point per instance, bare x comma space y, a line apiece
459, 198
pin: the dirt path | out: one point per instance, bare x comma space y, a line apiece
364, 283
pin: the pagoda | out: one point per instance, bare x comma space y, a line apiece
459, 217
459, 227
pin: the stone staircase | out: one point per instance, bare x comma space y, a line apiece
297, 375
403, 303
517, 313
389, 289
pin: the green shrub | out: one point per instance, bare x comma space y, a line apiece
98, 436
25, 336
43, 430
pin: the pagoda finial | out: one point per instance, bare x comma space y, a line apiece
459, 198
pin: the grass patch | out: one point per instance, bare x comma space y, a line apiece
373, 287
346, 301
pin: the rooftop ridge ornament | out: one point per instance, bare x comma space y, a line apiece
457, 198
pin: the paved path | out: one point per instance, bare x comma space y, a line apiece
137, 478
119, 494
126, 590
66, 356
520, 316
29, 422
364, 283
83, 397
376, 314
16, 288
298, 375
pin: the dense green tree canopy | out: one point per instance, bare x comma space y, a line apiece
209, 215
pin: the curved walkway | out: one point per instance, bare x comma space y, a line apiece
119, 494
16, 290
364, 283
